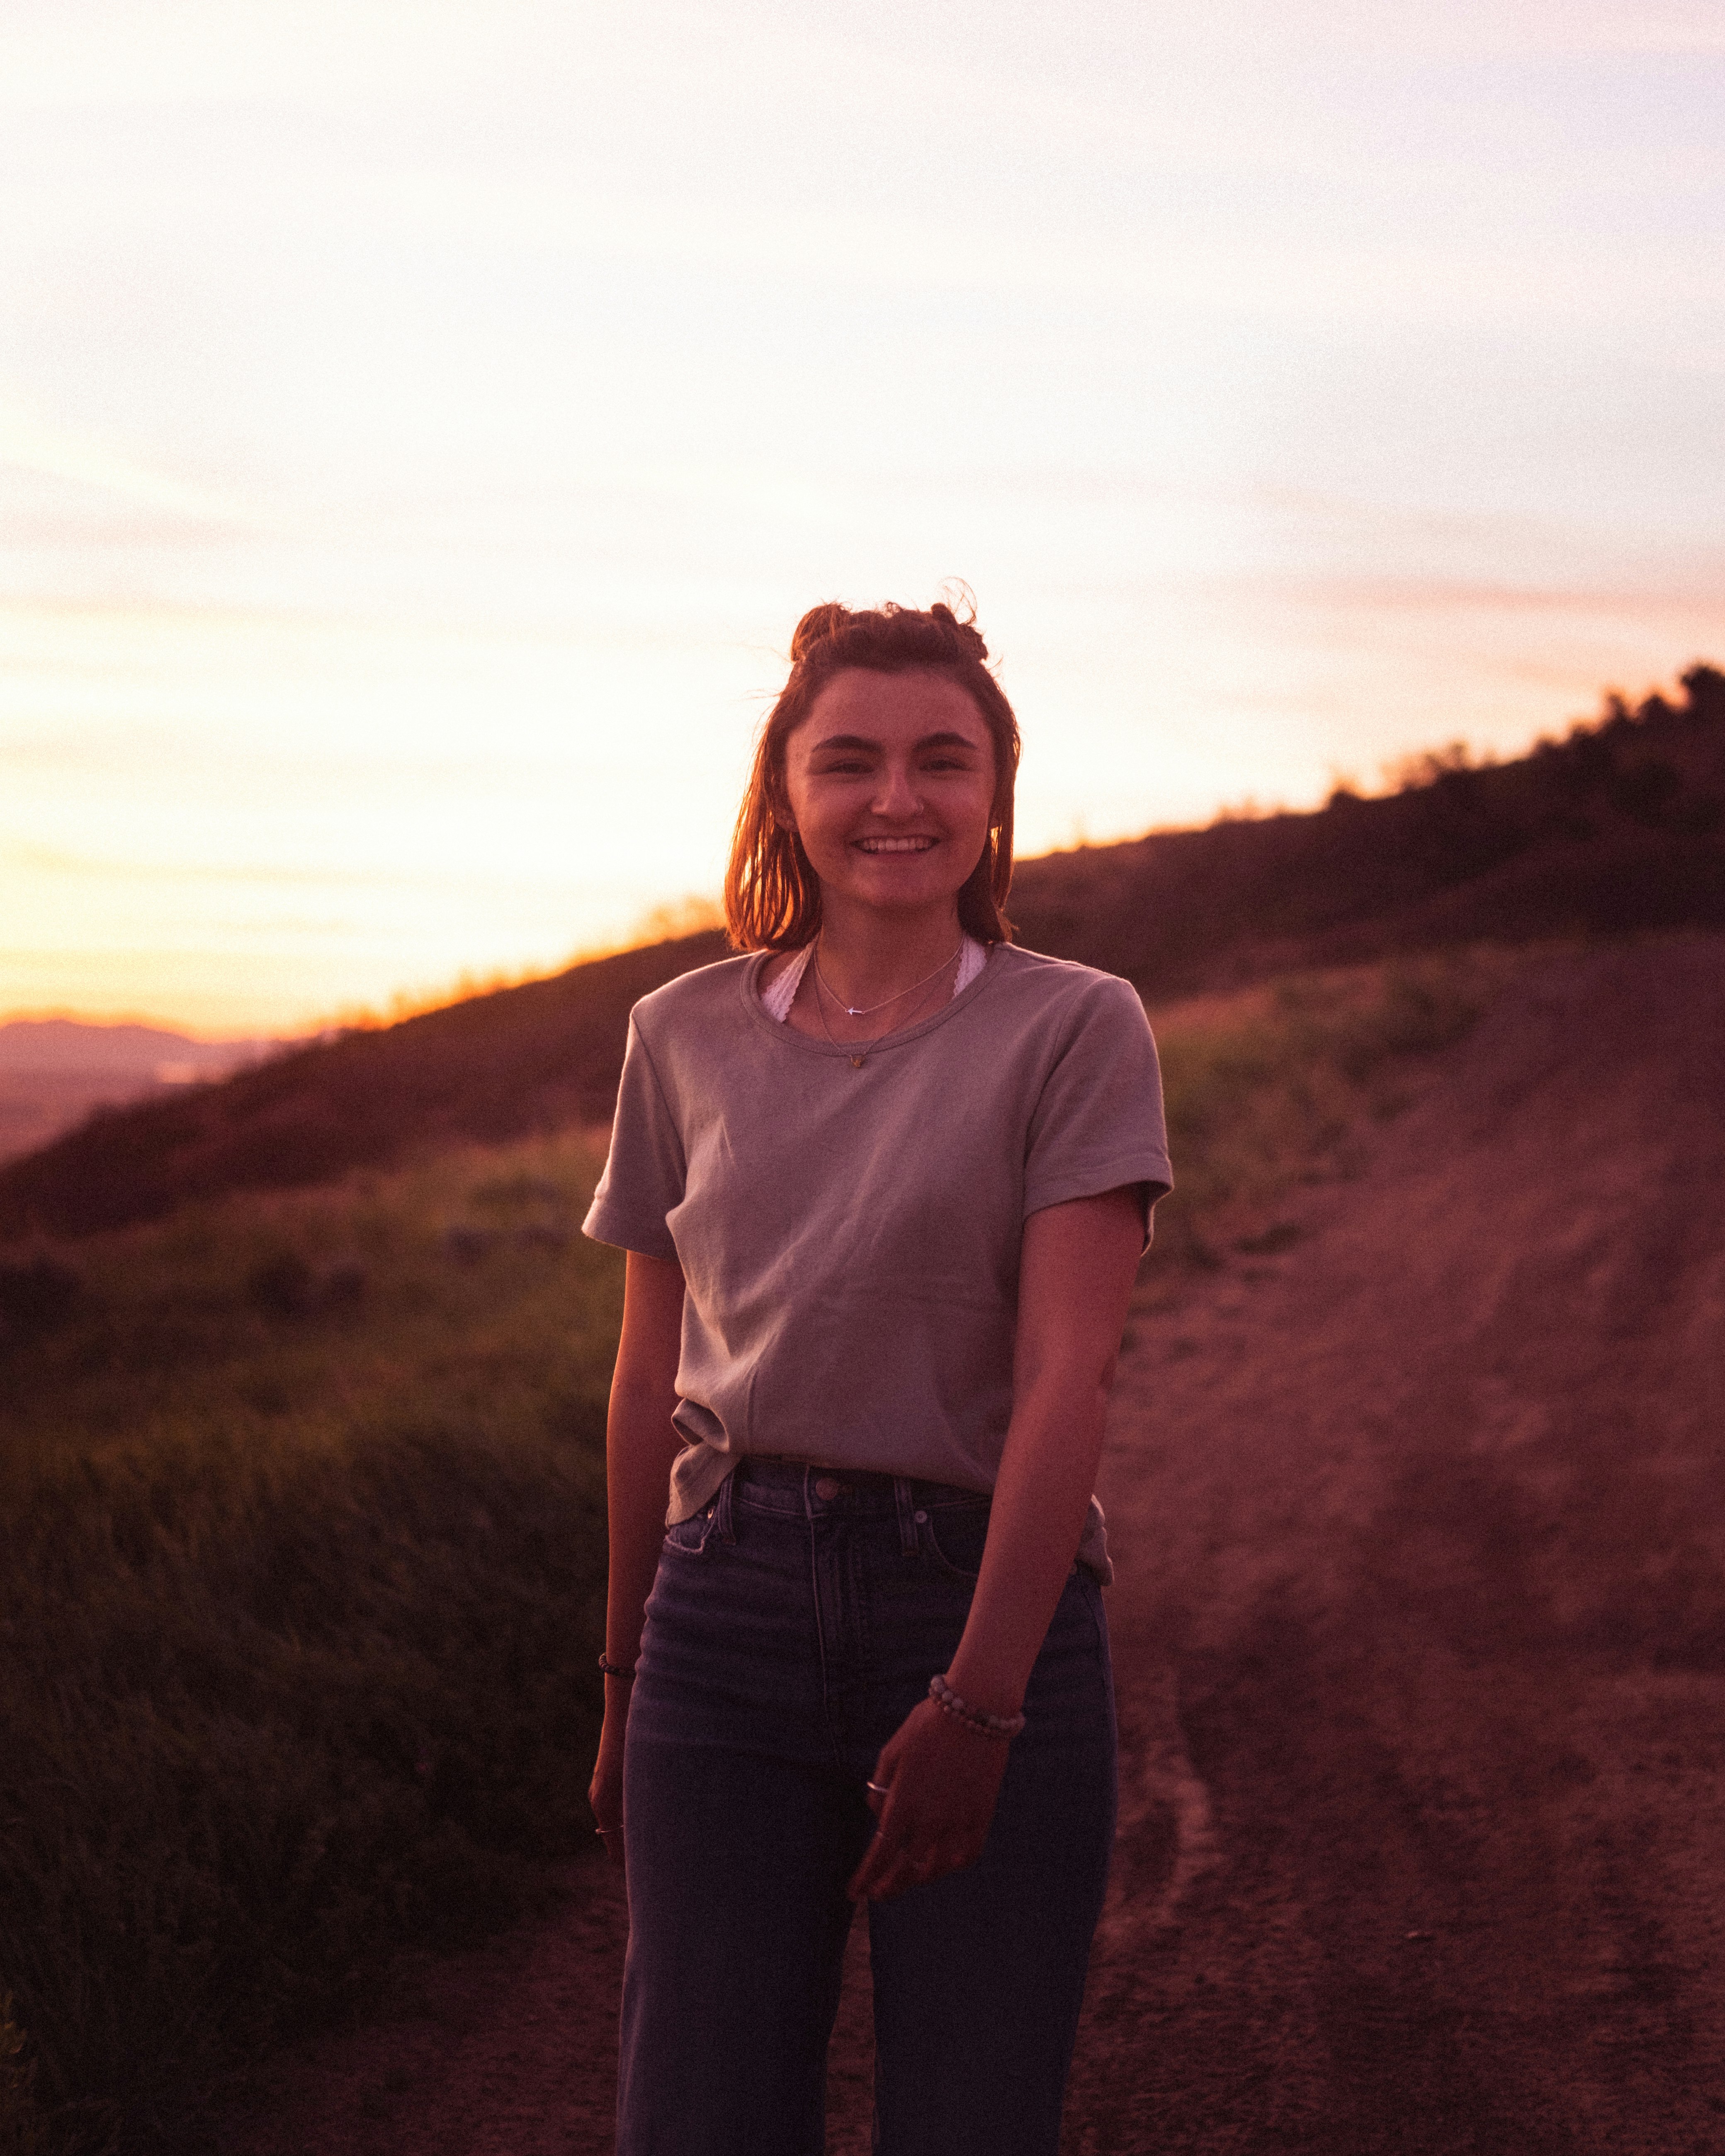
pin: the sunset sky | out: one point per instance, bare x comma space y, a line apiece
421, 426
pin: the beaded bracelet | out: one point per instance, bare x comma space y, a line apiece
1004, 1727
611, 1669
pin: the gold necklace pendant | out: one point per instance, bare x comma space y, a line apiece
857, 1062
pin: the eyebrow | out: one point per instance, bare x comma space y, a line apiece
944, 740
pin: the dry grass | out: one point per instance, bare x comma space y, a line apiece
1273, 1086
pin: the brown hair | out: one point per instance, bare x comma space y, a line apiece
771, 894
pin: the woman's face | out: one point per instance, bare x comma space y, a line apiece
889, 780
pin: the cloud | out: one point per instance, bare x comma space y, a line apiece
31, 443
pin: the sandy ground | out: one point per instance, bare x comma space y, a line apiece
1420, 1638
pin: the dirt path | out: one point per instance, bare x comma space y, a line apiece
1420, 1638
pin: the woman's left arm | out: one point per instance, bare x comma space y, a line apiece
1075, 1281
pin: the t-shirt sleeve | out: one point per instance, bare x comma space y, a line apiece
1099, 1122
645, 1169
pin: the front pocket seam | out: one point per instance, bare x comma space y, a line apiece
930, 1545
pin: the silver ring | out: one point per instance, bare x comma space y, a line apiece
876, 1787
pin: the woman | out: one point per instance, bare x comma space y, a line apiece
883, 1183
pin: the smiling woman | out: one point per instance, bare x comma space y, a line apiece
883, 1183
894, 686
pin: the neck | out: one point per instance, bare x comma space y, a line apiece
867, 955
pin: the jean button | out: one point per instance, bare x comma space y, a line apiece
826, 1489
922, 1519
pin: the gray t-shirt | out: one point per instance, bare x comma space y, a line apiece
849, 1233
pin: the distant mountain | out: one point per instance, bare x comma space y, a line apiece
55, 1071
146, 1053
1619, 828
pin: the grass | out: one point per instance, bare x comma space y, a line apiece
301, 1556
1274, 1085
302, 1576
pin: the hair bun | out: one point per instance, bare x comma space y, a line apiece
967, 634
817, 626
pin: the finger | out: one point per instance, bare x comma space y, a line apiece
895, 1879
863, 1882
883, 1859
891, 1870
938, 1861
903, 1876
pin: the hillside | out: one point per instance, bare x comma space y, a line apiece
1619, 828
1418, 1632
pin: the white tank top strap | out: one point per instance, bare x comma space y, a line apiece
778, 997
972, 959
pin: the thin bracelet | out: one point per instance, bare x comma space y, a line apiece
1003, 1726
624, 1670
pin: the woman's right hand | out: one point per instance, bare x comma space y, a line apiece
604, 1793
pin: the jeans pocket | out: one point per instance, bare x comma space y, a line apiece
688, 1538
952, 1539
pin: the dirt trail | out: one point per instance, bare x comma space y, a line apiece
1420, 1638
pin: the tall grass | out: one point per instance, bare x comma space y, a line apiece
1274, 1085
302, 1576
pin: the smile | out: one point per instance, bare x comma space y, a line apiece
896, 845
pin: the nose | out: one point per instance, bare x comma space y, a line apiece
895, 795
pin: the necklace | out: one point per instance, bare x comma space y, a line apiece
868, 1010
857, 1061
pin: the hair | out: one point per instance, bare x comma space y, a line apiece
772, 893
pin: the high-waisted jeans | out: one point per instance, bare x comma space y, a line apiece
792, 1628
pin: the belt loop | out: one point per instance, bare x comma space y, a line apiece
723, 1526
906, 1516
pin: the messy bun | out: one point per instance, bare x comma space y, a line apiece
771, 894
816, 627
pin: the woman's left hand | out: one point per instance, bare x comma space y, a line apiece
942, 1781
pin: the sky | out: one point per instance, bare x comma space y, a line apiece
422, 426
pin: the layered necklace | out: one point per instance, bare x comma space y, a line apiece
867, 1010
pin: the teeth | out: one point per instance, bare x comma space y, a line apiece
895, 845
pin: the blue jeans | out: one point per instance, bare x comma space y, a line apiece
792, 1628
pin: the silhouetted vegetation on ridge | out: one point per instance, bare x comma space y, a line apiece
1620, 827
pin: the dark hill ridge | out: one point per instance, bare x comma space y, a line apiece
1619, 828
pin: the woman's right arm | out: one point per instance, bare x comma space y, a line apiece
640, 1443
